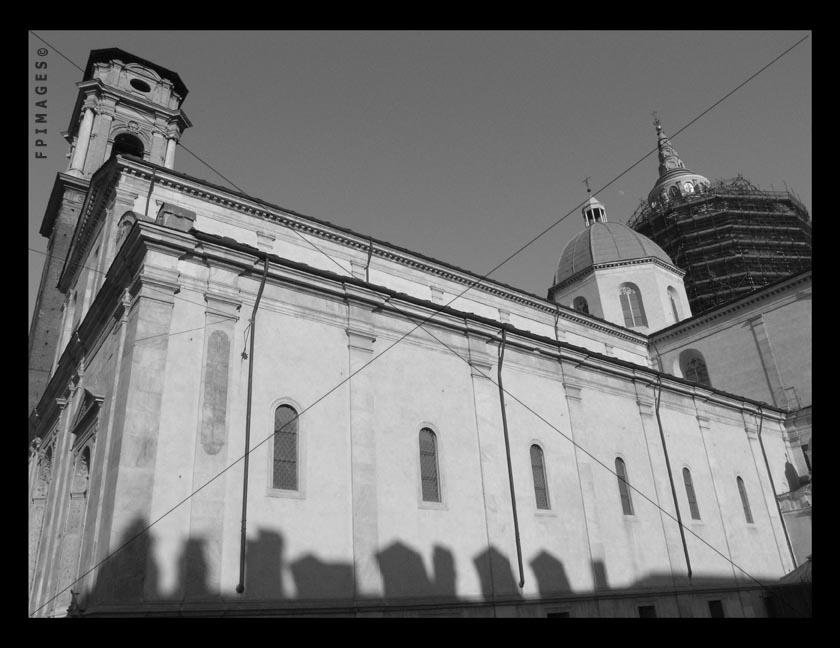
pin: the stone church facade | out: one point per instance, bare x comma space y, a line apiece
388, 472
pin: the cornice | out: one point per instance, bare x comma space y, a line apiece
326, 231
63, 182
582, 274
762, 294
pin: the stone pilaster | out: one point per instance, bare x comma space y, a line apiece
133, 445
768, 361
44, 588
494, 474
202, 569
662, 489
360, 340
586, 478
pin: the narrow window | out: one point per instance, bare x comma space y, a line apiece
429, 466
647, 611
716, 609
285, 448
632, 306
693, 367
743, 491
689, 491
580, 305
807, 458
538, 468
623, 487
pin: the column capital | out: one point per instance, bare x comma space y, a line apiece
646, 405
360, 339
573, 390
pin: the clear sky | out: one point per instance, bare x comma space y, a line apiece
459, 145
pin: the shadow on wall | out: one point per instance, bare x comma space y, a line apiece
128, 579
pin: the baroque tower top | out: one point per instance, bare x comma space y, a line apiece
675, 181
126, 105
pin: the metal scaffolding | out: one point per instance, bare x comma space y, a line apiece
730, 239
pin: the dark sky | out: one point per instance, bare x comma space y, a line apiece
459, 145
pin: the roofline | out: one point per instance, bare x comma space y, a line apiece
112, 53
612, 328
735, 304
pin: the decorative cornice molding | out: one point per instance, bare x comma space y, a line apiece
325, 231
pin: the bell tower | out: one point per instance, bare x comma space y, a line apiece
128, 106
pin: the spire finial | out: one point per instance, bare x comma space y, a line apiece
586, 182
656, 122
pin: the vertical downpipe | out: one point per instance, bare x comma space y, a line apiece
510, 469
671, 476
240, 588
149, 195
773, 486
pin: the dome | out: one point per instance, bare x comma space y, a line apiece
605, 243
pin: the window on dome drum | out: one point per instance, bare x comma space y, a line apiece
743, 492
631, 305
689, 491
285, 475
580, 305
693, 367
538, 469
623, 486
672, 295
429, 466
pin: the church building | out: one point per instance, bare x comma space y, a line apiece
237, 409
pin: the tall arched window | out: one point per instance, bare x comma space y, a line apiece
674, 299
285, 475
580, 305
743, 492
689, 491
538, 469
631, 305
429, 466
693, 367
623, 486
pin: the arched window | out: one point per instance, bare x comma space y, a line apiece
285, 448
631, 305
538, 469
743, 492
689, 491
126, 144
693, 367
580, 305
623, 486
429, 466
675, 299
674, 192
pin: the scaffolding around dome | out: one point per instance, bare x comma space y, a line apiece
730, 239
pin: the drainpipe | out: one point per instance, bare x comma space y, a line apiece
773, 486
510, 469
149, 195
367, 265
670, 474
240, 588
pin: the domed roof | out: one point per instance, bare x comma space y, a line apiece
605, 243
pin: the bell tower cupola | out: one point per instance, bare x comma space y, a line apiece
126, 106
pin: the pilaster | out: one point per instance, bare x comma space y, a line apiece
361, 337
768, 361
